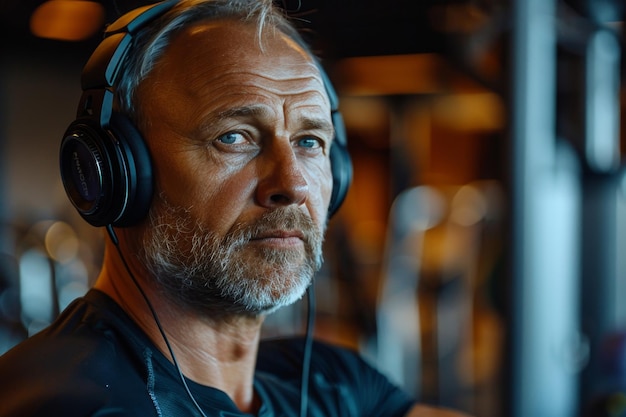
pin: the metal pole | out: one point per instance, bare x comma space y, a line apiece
545, 199
603, 318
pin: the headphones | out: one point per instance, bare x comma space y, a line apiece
105, 164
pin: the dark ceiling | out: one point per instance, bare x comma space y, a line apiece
338, 28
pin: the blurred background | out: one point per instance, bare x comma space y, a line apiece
480, 257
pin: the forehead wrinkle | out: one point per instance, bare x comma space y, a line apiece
242, 84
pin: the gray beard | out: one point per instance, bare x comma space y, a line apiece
223, 276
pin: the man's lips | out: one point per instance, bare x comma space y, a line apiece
280, 237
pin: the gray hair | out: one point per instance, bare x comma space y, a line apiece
150, 43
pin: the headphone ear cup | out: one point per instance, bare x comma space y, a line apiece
86, 160
341, 164
137, 171
107, 173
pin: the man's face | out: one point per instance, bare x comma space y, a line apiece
240, 140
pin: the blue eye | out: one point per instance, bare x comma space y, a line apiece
309, 142
229, 138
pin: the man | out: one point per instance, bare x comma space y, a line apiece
236, 117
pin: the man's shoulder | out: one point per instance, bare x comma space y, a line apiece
79, 359
91, 332
340, 377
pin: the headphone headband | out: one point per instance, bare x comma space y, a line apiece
100, 74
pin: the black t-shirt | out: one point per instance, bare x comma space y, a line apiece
94, 361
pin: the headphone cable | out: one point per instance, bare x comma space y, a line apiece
308, 347
115, 241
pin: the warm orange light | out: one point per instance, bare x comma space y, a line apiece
67, 20
425, 73
392, 74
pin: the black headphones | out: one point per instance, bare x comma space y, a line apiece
105, 164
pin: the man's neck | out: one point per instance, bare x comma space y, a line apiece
218, 353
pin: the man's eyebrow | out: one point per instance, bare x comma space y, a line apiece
313, 123
306, 122
243, 111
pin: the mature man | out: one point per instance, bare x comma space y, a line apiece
203, 145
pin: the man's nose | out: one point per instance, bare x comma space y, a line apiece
282, 181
